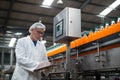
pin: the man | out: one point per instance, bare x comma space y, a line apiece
30, 54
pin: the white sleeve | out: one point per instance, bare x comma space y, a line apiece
22, 58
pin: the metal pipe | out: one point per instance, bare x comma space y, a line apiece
84, 4
11, 57
2, 58
77, 53
67, 56
98, 49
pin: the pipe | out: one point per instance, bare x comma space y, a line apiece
2, 59
67, 56
84, 4
11, 58
77, 54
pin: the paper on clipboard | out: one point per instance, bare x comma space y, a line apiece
42, 65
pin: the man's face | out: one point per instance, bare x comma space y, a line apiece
38, 33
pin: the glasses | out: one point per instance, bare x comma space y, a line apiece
39, 32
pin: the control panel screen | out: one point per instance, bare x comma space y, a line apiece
59, 29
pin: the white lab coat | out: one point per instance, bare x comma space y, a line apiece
28, 57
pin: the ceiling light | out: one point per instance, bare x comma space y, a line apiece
47, 2
59, 2
18, 33
12, 42
45, 6
109, 8
8, 31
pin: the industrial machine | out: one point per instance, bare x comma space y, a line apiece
92, 57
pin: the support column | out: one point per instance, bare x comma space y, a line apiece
68, 66
11, 58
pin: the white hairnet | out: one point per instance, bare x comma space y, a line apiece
37, 25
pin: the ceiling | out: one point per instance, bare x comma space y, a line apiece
19, 15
